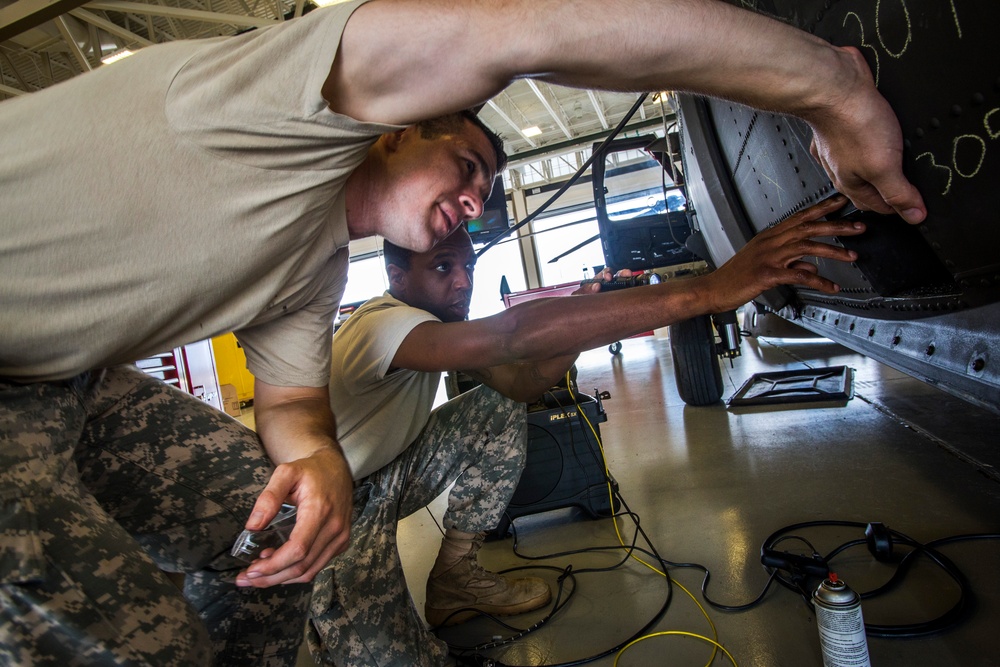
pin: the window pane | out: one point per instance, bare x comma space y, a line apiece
365, 279
557, 234
503, 259
637, 185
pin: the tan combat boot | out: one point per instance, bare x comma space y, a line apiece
457, 581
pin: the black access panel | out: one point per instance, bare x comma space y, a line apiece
645, 241
564, 466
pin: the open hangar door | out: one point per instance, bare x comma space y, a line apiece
924, 299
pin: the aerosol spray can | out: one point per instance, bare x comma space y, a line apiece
841, 628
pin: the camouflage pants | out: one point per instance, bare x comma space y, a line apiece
362, 614
105, 480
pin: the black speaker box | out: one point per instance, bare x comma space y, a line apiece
564, 467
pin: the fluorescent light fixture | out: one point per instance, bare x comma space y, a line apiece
326, 3
116, 56
532, 131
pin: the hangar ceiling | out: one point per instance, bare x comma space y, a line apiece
44, 42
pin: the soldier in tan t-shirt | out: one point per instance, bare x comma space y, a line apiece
403, 454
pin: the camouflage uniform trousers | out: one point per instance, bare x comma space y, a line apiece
105, 480
362, 614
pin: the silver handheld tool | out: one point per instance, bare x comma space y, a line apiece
251, 542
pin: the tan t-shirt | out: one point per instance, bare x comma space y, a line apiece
378, 413
191, 189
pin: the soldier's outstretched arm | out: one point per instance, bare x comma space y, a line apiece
401, 61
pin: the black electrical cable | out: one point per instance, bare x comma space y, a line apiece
719, 605
798, 583
573, 179
920, 629
572, 552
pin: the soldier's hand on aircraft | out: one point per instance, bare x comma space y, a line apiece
778, 256
858, 141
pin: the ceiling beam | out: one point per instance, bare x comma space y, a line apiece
178, 31
74, 48
108, 26
47, 66
598, 110
24, 15
179, 13
7, 90
500, 112
17, 74
548, 107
